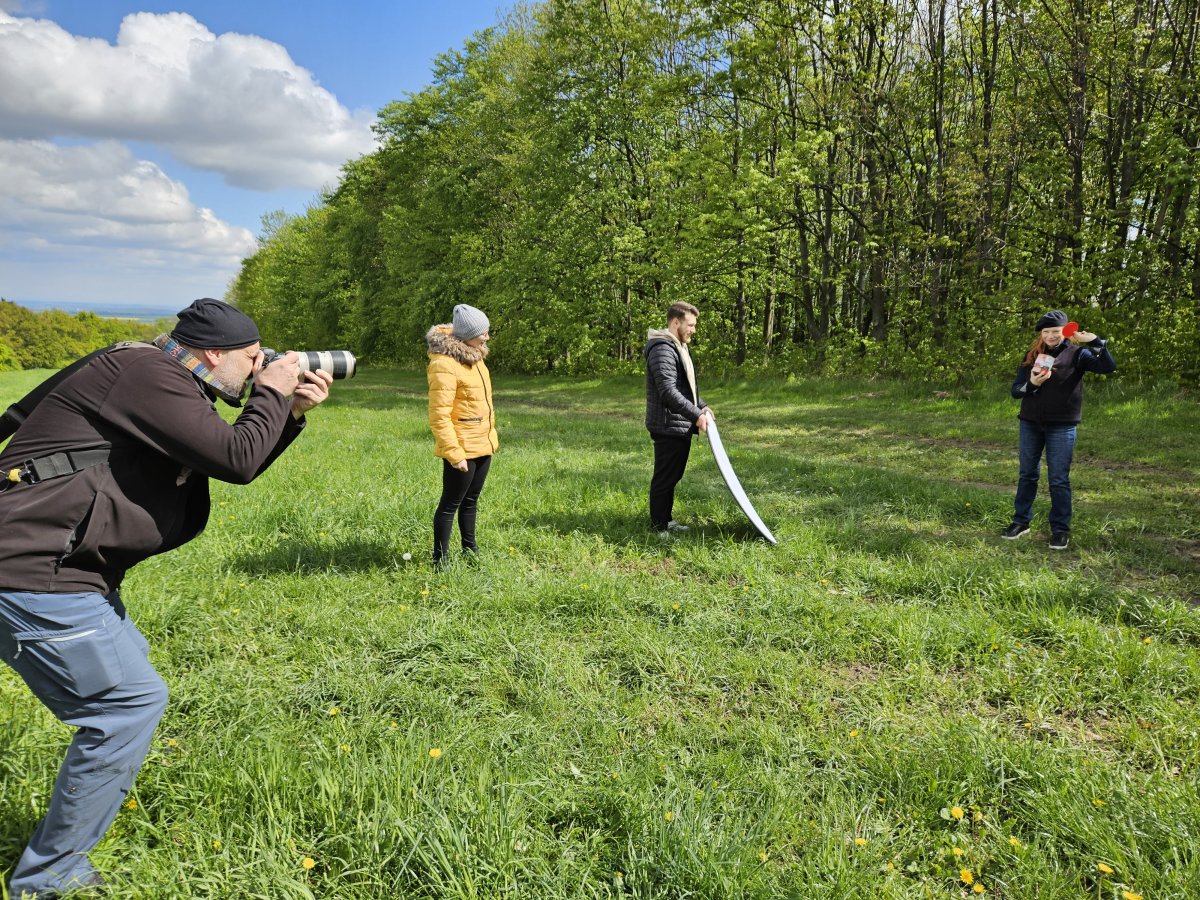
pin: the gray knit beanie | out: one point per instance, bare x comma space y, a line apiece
469, 322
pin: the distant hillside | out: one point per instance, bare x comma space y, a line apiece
107, 310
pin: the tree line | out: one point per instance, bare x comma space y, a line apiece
53, 339
897, 187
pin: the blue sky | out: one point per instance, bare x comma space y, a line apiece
141, 143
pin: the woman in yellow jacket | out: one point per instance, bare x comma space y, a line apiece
463, 423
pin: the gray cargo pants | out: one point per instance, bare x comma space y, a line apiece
83, 657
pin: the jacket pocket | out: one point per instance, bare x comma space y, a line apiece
83, 660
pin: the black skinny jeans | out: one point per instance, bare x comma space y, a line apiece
460, 493
670, 459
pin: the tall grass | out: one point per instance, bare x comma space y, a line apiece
889, 704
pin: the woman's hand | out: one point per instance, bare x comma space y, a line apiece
461, 465
1083, 337
1038, 377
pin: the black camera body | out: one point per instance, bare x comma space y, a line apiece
338, 363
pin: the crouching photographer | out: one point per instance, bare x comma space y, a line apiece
110, 468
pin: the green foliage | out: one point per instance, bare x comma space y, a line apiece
53, 339
916, 178
713, 717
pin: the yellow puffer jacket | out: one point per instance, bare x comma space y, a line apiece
460, 398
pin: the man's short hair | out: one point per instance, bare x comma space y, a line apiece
680, 309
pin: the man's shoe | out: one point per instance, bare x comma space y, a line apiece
1059, 540
677, 527
1014, 531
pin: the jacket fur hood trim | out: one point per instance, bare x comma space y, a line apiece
441, 339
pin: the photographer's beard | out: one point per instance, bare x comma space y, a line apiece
228, 381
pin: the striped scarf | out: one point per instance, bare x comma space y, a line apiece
189, 361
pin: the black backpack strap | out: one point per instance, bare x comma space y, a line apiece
12, 418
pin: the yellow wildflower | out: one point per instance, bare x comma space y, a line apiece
957, 851
216, 845
979, 888
762, 856
1014, 842
1105, 868
1097, 802
956, 812
860, 841
668, 815
966, 876
853, 732
435, 752
1147, 640
675, 606
334, 711
308, 862
1130, 895
131, 803
345, 748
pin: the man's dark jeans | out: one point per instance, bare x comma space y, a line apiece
670, 459
1058, 442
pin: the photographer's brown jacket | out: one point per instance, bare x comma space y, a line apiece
81, 532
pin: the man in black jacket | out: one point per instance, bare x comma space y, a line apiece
110, 468
674, 410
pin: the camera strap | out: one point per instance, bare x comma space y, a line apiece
12, 417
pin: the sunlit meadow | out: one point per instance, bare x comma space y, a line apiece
891, 703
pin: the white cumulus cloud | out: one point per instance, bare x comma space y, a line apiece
233, 104
95, 219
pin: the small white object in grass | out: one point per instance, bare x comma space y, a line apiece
406, 556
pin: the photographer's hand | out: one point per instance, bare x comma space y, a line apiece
281, 375
312, 391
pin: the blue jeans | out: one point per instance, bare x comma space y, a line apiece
83, 657
1058, 442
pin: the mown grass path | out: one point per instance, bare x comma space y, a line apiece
892, 703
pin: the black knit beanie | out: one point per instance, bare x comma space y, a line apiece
209, 324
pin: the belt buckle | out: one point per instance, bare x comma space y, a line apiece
28, 473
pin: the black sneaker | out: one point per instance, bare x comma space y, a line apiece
1014, 531
1059, 540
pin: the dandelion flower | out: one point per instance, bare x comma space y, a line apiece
957, 851
956, 812
853, 732
216, 845
1014, 842
1147, 640
171, 742
762, 856
1105, 868
334, 711
669, 815
131, 803
675, 606
966, 876
435, 752
392, 725
345, 748
979, 888
1097, 802
1130, 895
860, 841
308, 862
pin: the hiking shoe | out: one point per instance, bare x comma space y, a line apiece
1059, 540
677, 527
1014, 531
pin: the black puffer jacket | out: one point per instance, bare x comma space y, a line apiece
671, 410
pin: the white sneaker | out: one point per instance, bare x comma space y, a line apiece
677, 527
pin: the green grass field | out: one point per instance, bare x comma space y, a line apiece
892, 703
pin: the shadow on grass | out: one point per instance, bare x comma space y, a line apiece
308, 557
635, 530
